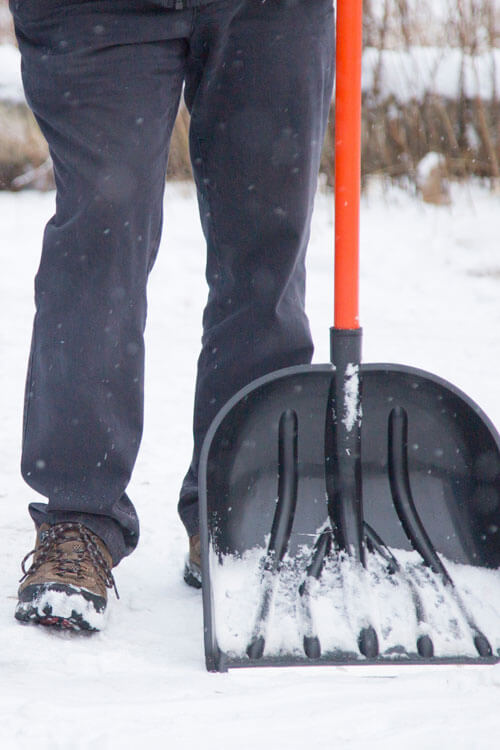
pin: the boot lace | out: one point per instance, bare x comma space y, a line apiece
48, 551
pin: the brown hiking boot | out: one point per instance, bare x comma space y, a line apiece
66, 585
192, 569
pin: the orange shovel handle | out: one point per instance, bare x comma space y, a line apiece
347, 162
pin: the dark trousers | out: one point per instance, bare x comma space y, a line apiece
104, 79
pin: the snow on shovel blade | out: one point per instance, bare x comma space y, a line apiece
451, 463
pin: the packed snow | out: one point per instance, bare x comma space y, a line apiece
351, 389
345, 600
430, 285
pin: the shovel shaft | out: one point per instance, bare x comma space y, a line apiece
347, 162
343, 443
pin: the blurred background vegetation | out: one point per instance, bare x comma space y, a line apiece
431, 72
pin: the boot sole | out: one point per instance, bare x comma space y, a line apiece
61, 606
192, 575
75, 622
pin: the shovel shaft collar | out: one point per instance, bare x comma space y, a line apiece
347, 162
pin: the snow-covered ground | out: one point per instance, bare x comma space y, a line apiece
430, 293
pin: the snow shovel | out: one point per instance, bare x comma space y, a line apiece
350, 513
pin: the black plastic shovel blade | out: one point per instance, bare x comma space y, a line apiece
451, 467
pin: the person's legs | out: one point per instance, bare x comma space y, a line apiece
104, 80
259, 86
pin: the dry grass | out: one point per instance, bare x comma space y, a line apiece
6, 27
465, 129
